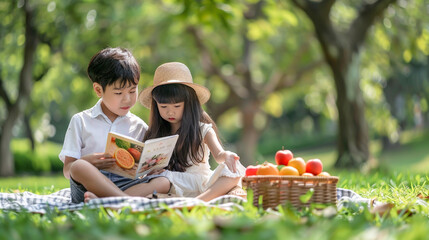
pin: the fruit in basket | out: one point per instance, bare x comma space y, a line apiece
251, 170
267, 169
289, 170
283, 156
314, 166
307, 174
324, 174
298, 163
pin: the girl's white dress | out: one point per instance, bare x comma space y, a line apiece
199, 177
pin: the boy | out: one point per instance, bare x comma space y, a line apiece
115, 74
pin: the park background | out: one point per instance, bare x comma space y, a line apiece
343, 81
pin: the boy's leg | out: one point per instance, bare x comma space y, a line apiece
159, 184
93, 180
222, 186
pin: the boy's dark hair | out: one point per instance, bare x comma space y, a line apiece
111, 64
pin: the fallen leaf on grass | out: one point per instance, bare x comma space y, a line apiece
384, 209
421, 196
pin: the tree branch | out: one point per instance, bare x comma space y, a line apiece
253, 12
367, 15
4, 96
210, 68
318, 12
217, 109
275, 79
289, 81
323, 8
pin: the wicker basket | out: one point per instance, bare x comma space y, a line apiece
276, 190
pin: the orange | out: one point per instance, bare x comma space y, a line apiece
289, 170
324, 174
307, 174
267, 169
298, 163
124, 159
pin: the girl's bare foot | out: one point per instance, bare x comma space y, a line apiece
88, 196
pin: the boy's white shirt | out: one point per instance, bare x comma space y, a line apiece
87, 131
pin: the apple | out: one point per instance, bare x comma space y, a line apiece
314, 166
251, 170
283, 156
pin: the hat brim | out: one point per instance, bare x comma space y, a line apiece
203, 94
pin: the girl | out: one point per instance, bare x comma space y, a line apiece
175, 104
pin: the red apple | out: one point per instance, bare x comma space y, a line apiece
283, 156
251, 170
314, 166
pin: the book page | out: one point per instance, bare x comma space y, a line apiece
128, 157
156, 154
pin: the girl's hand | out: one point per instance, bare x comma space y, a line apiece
231, 160
100, 160
156, 172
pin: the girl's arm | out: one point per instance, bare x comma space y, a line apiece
219, 154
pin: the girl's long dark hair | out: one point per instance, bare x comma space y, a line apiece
190, 142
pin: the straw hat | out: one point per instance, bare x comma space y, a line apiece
169, 73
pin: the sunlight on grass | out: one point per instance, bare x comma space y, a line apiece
412, 155
422, 166
37, 184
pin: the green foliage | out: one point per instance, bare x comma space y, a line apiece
43, 160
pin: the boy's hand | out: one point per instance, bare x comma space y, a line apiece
100, 160
231, 161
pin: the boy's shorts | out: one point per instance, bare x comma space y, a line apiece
123, 183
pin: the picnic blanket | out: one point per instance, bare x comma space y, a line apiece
60, 200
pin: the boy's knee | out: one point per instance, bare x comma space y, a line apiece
78, 166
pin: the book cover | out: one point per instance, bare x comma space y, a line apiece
135, 158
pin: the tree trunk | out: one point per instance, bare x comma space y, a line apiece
341, 51
250, 134
353, 140
29, 132
15, 110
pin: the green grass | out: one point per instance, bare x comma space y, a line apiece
36, 184
400, 180
354, 222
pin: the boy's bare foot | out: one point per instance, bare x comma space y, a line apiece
88, 196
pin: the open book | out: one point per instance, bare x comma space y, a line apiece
134, 158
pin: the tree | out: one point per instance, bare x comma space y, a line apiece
250, 59
25, 37
341, 49
15, 108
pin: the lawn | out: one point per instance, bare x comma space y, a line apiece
401, 178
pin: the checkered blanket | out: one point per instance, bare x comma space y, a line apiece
31, 202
